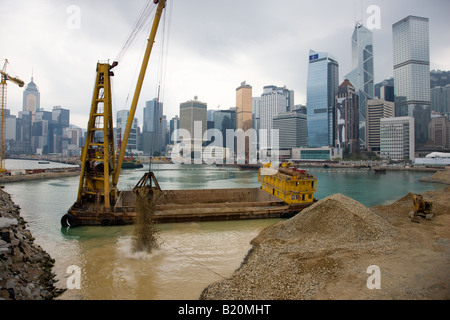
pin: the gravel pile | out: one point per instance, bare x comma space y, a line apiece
297, 258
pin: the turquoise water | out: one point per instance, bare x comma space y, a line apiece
191, 255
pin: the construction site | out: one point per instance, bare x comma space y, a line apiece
329, 250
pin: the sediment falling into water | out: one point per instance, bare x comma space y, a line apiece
145, 231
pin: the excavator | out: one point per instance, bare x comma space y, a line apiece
421, 209
100, 167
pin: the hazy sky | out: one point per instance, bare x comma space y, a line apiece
212, 47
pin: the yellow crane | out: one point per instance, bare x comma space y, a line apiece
3, 87
97, 191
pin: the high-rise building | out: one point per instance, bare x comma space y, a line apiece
412, 73
256, 120
173, 129
31, 98
151, 130
323, 82
376, 110
244, 107
362, 74
292, 128
347, 118
225, 120
385, 90
274, 100
397, 138
121, 124
439, 133
440, 99
61, 116
193, 113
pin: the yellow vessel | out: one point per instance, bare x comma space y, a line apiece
292, 185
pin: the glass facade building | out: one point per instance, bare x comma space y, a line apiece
323, 82
412, 73
362, 74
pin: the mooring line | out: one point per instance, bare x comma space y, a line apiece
200, 263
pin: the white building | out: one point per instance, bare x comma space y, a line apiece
274, 101
397, 138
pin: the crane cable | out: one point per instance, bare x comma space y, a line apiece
139, 26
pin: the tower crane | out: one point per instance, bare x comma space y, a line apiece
3, 88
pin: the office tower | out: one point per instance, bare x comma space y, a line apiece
256, 120
26, 117
40, 136
121, 124
31, 98
439, 133
362, 74
292, 128
244, 107
387, 93
440, 99
274, 100
225, 120
397, 138
376, 110
61, 116
173, 130
193, 113
323, 82
412, 73
151, 130
347, 118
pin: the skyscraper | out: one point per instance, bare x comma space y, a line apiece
173, 131
362, 74
121, 124
151, 130
347, 118
274, 100
412, 73
191, 112
376, 110
323, 82
31, 98
244, 107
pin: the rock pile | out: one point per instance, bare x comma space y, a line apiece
25, 268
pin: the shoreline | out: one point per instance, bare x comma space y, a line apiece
48, 174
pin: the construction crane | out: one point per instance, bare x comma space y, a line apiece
100, 166
3, 88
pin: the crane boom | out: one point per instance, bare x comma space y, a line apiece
151, 40
3, 90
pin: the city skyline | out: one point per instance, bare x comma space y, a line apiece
203, 59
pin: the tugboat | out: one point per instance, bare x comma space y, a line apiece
380, 170
293, 186
131, 163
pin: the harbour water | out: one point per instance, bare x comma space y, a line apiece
190, 255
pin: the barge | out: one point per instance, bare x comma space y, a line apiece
283, 194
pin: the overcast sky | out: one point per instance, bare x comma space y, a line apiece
212, 47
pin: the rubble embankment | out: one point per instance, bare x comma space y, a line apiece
25, 268
330, 250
